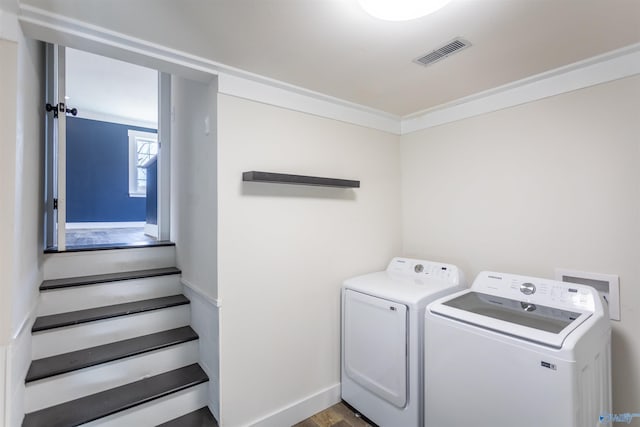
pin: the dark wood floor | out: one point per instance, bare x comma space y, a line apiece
339, 415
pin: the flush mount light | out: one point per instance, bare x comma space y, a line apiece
401, 10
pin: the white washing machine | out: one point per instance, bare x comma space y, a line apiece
517, 351
382, 345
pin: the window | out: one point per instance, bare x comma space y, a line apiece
143, 147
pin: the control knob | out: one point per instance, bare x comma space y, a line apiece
528, 288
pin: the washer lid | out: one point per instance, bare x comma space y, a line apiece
533, 322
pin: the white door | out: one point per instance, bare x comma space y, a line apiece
375, 345
56, 153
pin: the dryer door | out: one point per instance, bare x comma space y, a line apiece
375, 345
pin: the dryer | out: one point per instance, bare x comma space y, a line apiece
382, 344
518, 350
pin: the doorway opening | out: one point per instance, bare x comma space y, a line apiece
103, 157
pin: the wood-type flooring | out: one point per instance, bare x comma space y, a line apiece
338, 415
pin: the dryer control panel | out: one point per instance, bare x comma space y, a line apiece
426, 269
537, 290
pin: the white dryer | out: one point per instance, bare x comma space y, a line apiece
517, 351
382, 345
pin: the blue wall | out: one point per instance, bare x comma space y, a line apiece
98, 173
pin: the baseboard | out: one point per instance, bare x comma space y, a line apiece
17, 361
202, 294
302, 409
4, 385
205, 321
100, 225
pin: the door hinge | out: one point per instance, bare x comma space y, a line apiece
55, 204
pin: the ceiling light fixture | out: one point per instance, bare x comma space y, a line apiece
401, 10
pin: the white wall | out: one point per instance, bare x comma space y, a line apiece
553, 183
194, 213
8, 90
21, 143
285, 250
194, 182
29, 205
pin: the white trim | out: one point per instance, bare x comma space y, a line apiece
58, 29
4, 386
611, 66
17, 361
205, 320
280, 94
151, 230
44, 25
28, 320
95, 225
109, 118
201, 293
302, 409
134, 135
164, 157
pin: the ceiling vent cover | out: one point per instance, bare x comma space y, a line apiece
454, 46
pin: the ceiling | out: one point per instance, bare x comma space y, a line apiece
333, 47
106, 89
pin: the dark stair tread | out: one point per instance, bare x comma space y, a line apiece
200, 418
83, 316
68, 362
109, 247
95, 406
104, 278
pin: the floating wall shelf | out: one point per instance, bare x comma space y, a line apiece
283, 178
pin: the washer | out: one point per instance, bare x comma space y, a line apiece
382, 329
517, 350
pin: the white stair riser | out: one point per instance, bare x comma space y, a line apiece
158, 411
73, 385
85, 335
99, 295
75, 264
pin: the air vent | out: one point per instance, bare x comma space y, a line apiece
455, 45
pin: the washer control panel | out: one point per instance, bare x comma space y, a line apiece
426, 269
536, 290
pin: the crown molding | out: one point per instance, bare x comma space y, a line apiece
50, 27
294, 98
54, 28
610, 66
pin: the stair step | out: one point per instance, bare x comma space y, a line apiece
200, 418
53, 321
63, 300
95, 379
61, 265
95, 406
84, 335
68, 362
103, 278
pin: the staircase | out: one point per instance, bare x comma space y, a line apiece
112, 345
